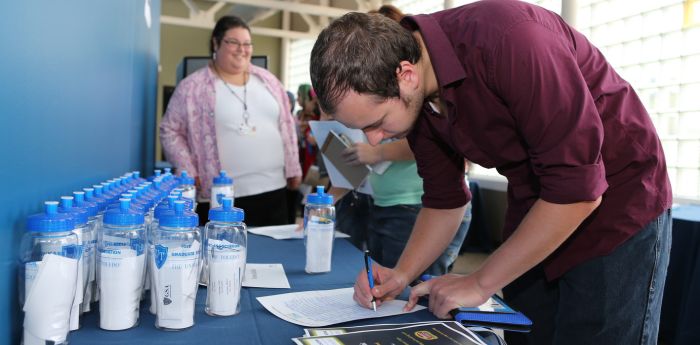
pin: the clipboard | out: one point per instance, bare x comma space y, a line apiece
333, 148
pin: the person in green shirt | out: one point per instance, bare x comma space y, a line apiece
383, 221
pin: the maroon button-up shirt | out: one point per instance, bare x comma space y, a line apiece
528, 95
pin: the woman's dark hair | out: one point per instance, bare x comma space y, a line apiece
224, 24
360, 52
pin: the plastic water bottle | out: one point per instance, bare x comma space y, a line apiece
227, 244
189, 191
167, 205
122, 259
89, 241
319, 224
223, 185
175, 267
81, 229
50, 253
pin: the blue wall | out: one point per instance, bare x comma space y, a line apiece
78, 86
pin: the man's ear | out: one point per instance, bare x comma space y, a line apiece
408, 76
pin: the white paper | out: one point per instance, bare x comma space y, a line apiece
121, 282
176, 284
226, 269
80, 283
49, 298
269, 276
326, 307
319, 247
320, 130
286, 232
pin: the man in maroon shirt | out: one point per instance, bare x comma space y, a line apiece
511, 86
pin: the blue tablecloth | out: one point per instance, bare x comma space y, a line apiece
254, 325
679, 321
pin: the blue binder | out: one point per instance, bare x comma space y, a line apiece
502, 316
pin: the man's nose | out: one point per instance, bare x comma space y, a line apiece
375, 136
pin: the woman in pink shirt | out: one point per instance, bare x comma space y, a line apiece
234, 116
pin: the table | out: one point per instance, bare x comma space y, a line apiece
253, 325
681, 302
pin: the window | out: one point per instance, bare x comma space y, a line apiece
651, 43
298, 67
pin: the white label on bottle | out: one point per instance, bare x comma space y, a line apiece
189, 193
176, 284
227, 191
226, 269
121, 280
319, 247
52, 289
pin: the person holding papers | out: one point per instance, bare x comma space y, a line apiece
588, 221
392, 209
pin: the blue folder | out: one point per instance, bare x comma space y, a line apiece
502, 316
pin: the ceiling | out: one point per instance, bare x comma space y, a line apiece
314, 13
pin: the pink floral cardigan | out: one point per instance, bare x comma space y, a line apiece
188, 132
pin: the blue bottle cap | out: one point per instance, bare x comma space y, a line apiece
90, 207
226, 213
167, 170
223, 178
179, 217
320, 197
124, 215
50, 220
186, 179
80, 216
95, 195
167, 205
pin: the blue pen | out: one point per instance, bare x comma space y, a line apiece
370, 278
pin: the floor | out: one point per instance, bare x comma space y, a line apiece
468, 262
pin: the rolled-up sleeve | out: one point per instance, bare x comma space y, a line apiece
536, 73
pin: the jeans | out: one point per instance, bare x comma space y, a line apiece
614, 299
386, 230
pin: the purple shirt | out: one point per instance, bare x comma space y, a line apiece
530, 96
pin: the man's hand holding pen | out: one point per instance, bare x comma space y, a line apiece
388, 283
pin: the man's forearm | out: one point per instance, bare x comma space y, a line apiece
545, 227
433, 231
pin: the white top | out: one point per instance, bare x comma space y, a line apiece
254, 160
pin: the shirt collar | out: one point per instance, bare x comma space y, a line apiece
448, 68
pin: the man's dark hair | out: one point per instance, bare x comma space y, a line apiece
360, 52
224, 24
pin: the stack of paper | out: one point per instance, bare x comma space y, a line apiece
434, 333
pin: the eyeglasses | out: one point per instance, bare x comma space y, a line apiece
245, 46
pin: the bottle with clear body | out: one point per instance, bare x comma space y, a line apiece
319, 224
226, 252
122, 260
223, 185
50, 252
189, 190
84, 233
175, 267
166, 205
89, 246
